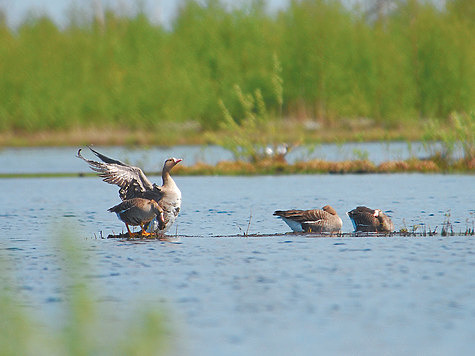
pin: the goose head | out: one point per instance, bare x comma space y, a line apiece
377, 213
170, 163
385, 222
329, 209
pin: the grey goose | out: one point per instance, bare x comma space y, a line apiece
138, 212
314, 220
370, 220
133, 183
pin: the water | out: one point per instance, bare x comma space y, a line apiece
276, 295
61, 159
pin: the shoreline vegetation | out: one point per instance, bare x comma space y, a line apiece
316, 166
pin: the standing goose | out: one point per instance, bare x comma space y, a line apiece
138, 212
369, 220
133, 183
315, 220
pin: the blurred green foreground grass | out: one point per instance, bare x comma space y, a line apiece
88, 327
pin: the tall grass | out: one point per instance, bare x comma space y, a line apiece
123, 71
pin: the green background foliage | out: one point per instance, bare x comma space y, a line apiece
414, 62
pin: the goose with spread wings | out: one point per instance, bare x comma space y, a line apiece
133, 183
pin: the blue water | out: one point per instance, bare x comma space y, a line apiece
278, 295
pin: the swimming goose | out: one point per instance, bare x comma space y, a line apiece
138, 212
370, 220
315, 220
133, 183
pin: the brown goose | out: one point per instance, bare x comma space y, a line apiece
315, 220
134, 183
369, 220
138, 212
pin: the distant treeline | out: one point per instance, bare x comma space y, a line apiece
414, 60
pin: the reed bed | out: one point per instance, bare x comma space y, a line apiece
273, 167
323, 167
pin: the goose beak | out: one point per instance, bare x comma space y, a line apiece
178, 160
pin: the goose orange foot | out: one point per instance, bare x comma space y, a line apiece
144, 233
131, 234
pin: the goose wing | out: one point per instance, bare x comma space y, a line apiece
302, 215
131, 180
321, 221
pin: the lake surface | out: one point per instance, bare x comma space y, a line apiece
280, 295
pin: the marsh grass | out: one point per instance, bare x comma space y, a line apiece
87, 328
316, 166
470, 229
245, 233
447, 227
312, 166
